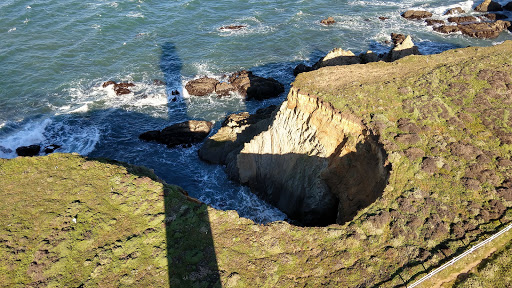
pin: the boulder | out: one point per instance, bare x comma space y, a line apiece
489, 6
462, 19
255, 87
29, 151
456, 10
416, 15
369, 56
301, 68
434, 22
119, 88
202, 86
446, 29
397, 39
337, 57
484, 30
493, 17
328, 21
405, 48
184, 133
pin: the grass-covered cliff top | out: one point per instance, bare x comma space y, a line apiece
68, 221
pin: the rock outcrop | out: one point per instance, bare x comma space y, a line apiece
244, 83
416, 15
328, 21
403, 48
489, 6
184, 133
119, 88
28, 151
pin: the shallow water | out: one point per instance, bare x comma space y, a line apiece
56, 54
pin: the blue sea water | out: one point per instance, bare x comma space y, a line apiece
55, 55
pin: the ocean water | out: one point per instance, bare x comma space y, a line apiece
55, 55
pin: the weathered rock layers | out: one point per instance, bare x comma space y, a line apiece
314, 163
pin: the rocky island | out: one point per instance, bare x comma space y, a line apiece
392, 168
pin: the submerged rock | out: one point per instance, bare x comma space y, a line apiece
119, 88
233, 27
184, 133
328, 21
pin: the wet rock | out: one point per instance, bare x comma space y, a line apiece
119, 88
188, 132
51, 148
202, 86
105, 84
416, 15
446, 29
175, 92
255, 87
233, 27
224, 89
328, 21
488, 6
381, 18
484, 30
493, 17
434, 22
462, 19
453, 11
301, 68
158, 82
397, 39
29, 151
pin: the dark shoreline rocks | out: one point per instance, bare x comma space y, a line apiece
245, 83
416, 15
184, 133
328, 21
119, 88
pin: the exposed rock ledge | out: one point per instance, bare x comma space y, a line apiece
314, 163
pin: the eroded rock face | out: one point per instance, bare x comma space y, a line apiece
315, 164
184, 133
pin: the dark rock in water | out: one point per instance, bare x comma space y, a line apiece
301, 68
236, 130
484, 30
175, 92
158, 82
184, 133
493, 17
416, 15
255, 87
233, 27
224, 88
32, 150
119, 88
202, 86
174, 99
122, 91
508, 6
51, 148
434, 22
328, 21
108, 83
446, 29
453, 11
489, 6
462, 19
381, 18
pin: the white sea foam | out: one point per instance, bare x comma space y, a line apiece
73, 137
30, 133
135, 15
11, 30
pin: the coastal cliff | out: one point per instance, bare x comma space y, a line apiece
440, 123
314, 163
